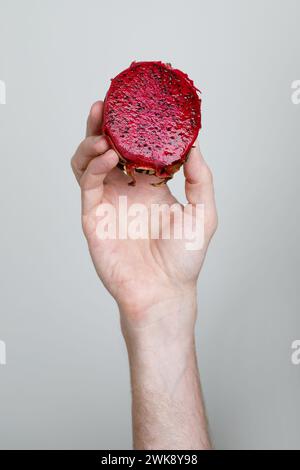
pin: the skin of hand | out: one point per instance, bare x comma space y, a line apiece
154, 284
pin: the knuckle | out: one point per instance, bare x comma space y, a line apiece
81, 147
73, 163
97, 144
83, 181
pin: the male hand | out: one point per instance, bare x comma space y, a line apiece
139, 273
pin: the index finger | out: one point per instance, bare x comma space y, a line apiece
94, 122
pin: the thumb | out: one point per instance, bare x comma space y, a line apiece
198, 179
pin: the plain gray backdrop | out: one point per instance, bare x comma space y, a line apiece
66, 381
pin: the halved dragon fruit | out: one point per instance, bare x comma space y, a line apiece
152, 116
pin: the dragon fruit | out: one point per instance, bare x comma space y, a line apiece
152, 116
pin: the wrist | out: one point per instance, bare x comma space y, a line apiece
165, 384
167, 322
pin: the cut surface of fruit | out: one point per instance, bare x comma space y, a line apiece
152, 116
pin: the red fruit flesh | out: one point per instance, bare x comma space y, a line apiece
152, 115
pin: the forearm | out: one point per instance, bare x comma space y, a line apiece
167, 405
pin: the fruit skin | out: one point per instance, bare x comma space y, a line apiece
152, 116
